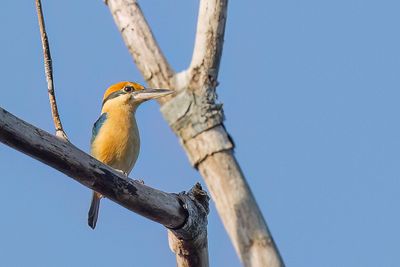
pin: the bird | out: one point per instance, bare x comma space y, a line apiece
115, 136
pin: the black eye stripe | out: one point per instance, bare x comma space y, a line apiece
112, 95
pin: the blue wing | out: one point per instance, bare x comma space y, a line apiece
97, 126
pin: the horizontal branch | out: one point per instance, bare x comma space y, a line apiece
164, 208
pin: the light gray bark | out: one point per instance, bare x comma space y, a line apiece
141, 43
196, 117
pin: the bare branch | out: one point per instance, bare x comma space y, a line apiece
209, 42
185, 214
141, 43
239, 211
49, 73
65, 157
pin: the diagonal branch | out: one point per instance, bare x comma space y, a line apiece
209, 42
141, 43
49, 73
65, 157
185, 214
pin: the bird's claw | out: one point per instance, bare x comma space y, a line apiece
121, 171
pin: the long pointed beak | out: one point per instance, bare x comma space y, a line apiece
147, 94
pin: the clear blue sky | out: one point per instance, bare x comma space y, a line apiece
311, 96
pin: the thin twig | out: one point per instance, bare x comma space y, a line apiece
49, 73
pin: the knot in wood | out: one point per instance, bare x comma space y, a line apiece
198, 121
190, 114
196, 204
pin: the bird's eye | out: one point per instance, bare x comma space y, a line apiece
128, 89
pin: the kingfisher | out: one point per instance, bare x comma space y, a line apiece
115, 135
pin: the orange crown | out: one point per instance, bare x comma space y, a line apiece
119, 86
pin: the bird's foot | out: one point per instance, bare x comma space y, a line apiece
121, 171
140, 181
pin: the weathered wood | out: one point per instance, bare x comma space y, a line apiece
48, 67
239, 210
151, 203
197, 119
141, 43
204, 67
190, 243
184, 214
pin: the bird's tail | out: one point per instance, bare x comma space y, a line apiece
94, 210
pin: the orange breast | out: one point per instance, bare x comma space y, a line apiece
117, 144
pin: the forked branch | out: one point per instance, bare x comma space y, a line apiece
196, 117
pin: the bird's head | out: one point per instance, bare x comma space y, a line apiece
131, 93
